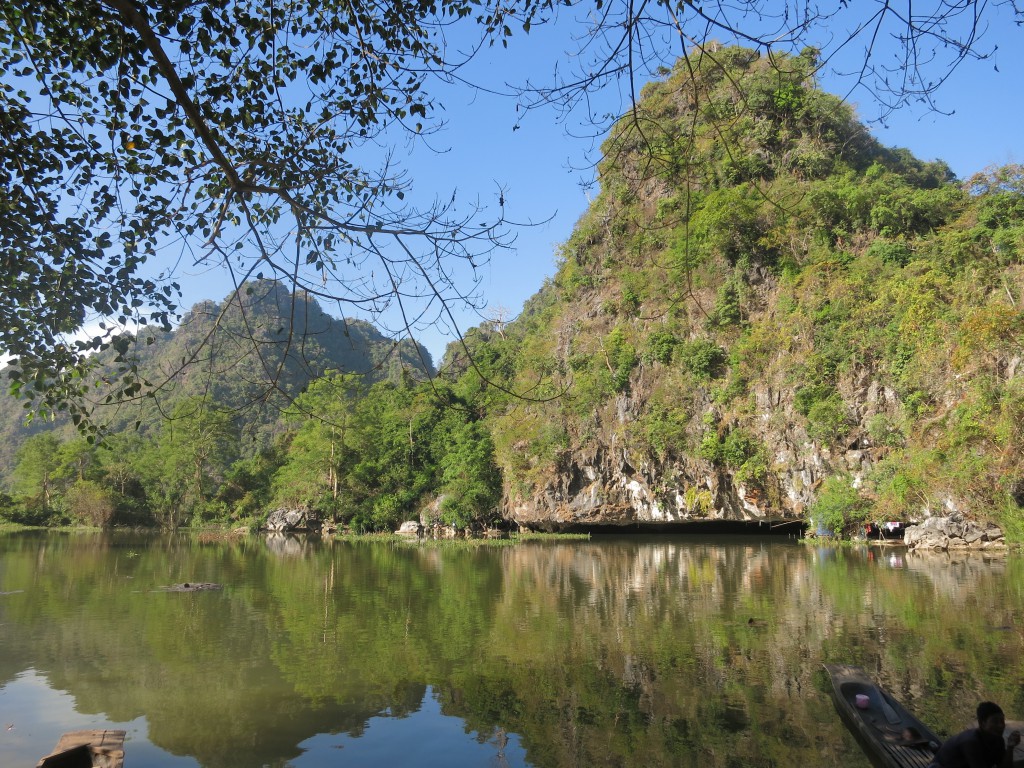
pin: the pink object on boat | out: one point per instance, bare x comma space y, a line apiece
863, 702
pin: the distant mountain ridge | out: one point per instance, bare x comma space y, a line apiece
251, 353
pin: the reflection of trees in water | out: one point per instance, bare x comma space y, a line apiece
659, 622
676, 618
953, 574
594, 653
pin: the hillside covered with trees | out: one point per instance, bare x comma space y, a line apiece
764, 315
220, 389
767, 314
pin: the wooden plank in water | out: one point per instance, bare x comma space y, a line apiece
102, 749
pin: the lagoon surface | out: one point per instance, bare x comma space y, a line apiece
618, 651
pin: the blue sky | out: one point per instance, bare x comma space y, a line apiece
538, 168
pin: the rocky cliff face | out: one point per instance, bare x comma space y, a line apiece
767, 316
606, 481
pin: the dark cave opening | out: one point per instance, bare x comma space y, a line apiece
791, 528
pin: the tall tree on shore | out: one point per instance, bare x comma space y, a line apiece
37, 465
181, 468
320, 453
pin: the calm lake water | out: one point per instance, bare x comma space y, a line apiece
619, 651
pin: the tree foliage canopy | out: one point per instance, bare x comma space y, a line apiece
260, 137
256, 136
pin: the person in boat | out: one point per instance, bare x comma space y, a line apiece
980, 747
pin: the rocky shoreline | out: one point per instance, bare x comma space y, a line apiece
954, 533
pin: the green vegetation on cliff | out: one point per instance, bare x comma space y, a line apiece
766, 304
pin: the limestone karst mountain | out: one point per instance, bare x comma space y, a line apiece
767, 315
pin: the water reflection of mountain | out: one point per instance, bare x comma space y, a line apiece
618, 652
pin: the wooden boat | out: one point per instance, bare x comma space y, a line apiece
87, 749
889, 735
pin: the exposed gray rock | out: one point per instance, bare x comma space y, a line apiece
430, 513
410, 528
603, 480
953, 532
283, 520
